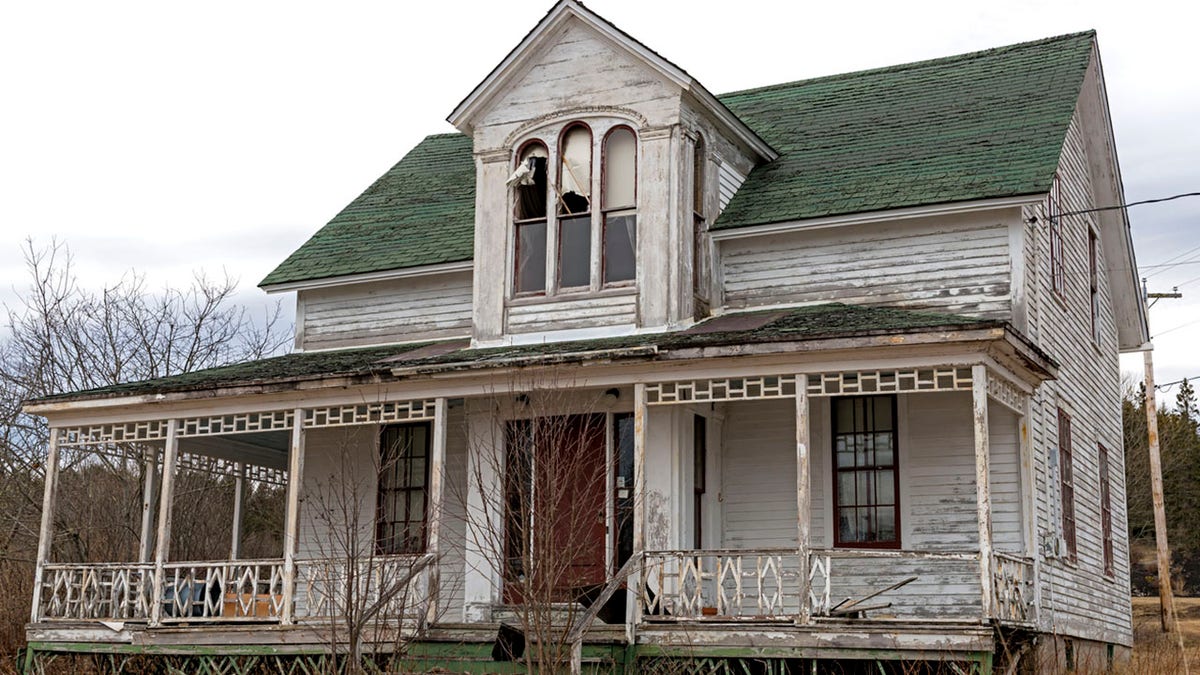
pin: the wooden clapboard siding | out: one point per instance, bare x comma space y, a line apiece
454, 518
944, 588
954, 265
565, 314
729, 179
402, 310
338, 491
1076, 599
1005, 479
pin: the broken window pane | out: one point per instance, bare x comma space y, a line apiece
529, 183
531, 257
575, 171
620, 169
620, 247
575, 251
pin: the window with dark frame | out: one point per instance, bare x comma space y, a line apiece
1057, 266
699, 224
1106, 528
402, 503
1094, 285
866, 477
619, 168
699, 477
529, 218
1066, 477
623, 445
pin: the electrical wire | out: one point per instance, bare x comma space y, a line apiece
1185, 325
1170, 262
1127, 205
1168, 385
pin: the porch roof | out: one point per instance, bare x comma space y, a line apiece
816, 322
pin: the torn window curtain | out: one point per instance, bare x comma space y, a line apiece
620, 198
575, 171
529, 182
620, 169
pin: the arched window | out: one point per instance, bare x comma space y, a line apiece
620, 205
529, 216
575, 207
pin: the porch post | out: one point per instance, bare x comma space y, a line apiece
166, 496
803, 493
634, 605
239, 496
46, 532
146, 543
983, 495
291, 529
437, 478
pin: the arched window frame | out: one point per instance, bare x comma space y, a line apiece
551, 137
610, 214
569, 270
700, 262
530, 225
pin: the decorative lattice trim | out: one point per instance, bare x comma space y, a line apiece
1004, 392
242, 423
370, 413
225, 467
729, 389
128, 432
911, 380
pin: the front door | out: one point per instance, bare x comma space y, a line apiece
555, 522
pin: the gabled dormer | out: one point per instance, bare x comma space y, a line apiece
597, 173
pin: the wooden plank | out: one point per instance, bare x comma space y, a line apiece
239, 496
633, 602
166, 498
149, 488
437, 481
46, 531
803, 493
291, 531
983, 497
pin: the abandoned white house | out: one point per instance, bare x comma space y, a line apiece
821, 340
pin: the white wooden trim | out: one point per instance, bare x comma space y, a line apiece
640, 412
890, 215
437, 481
803, 492
162, 546
46, 531
150, 487
291, 532
239, 497
983, 497
368, 277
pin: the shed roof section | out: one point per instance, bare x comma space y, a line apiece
806, 323
975, 126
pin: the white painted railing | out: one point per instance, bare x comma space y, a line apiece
97, 592
379, 588
243, 590
1012, 586
721, 585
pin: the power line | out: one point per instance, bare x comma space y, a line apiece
1168, 385
1168, 263
1127, 205
1185, 325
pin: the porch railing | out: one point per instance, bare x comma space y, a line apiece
1012, 588
234, 591
883, 584
721, 585
97, 591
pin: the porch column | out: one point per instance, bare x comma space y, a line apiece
484, 554
437, 479
983, 493
166, 496
239, 497
803, 493
633, 605
146, 543
46, 533
291, 530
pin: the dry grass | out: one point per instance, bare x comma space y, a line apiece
1154, 652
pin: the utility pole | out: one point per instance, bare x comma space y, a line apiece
1165, 596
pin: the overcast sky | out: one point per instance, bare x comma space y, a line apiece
173, 137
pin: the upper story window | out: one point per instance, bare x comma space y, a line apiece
699, 223
1094, 284
1057, 265
562, 241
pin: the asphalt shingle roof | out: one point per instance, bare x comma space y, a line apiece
799, 324
975, 126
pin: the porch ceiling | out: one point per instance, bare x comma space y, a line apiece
743, 329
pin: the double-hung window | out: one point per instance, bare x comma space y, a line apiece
1066, 479
866, 479
1058, 274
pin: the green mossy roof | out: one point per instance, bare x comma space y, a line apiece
805, 323
976, 126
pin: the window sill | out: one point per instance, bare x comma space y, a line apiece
571, 296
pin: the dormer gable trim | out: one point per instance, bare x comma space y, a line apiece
465, 113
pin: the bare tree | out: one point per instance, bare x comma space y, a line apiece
63, 337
